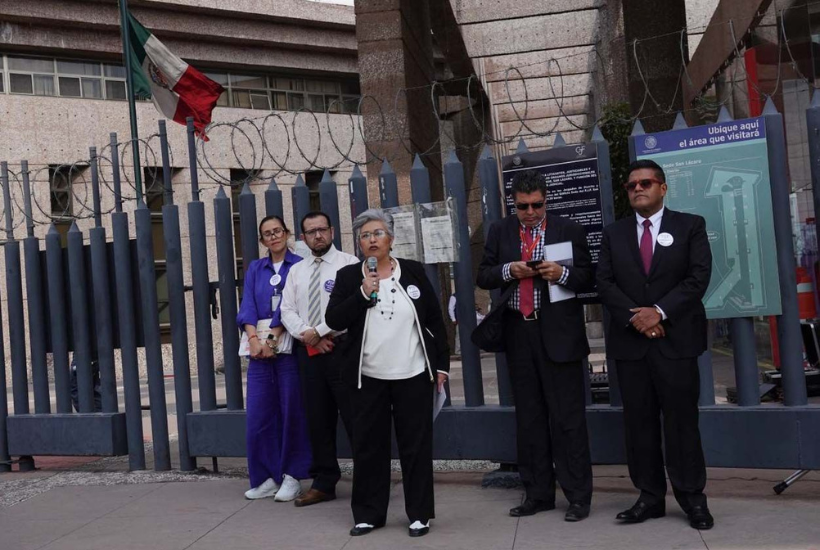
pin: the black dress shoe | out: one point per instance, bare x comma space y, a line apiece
577, 512
420, 532
364, 530
641, 512
531, 507
700, 518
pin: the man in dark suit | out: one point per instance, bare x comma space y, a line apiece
545, 344
653, 271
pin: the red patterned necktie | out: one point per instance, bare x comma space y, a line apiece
525, 287
646, 246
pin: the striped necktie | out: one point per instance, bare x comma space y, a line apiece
314, 296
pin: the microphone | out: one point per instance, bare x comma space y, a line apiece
371, 267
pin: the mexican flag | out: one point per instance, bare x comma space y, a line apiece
177, 89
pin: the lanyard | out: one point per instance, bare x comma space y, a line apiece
527, 252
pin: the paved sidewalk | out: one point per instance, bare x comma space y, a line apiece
88, 510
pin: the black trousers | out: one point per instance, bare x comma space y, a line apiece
550, 414
326, 397
410, 404
652, 387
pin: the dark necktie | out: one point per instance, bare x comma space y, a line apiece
646, 246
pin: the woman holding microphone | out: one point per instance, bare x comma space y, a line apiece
277, 434
395, 357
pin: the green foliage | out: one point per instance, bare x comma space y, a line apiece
616, 125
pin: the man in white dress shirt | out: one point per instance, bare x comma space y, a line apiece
304, 301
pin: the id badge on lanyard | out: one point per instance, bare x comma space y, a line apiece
274, 300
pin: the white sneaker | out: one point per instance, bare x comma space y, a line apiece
291, 488
267, 489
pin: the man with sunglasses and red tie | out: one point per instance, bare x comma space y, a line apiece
653, 271
545, 345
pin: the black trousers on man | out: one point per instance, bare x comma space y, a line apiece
652, 387
326, 397
550, 415
409, 403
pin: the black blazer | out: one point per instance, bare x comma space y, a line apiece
676, 283
347, 310
562, 323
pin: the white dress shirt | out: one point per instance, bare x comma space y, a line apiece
296, 294
654, 230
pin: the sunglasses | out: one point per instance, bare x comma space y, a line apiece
523, 206
644, 184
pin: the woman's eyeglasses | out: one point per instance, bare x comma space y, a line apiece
367, 235
644, 184
273, 234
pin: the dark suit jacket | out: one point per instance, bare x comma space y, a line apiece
562, 323
676, 283
347, 310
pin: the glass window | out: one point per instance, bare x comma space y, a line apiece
43, 84
349, 87
280, 101
79, 68
20, 84
260, 101
115, 89
60, 187
70, 87
316, 103
92, 88
248, 81
294, 84
223, 99
322, 86
114, 71
31, 64
241, 98
332, 104
221, 78
296, 101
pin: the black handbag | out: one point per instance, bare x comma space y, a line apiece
489, 334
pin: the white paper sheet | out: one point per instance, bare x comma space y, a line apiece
437, 236
262, 331
439, 397
560, 253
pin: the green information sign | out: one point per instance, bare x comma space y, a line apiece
721, 172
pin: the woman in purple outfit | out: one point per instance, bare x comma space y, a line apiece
277, 437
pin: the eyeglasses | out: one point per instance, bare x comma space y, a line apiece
274, 233
367, 235
644, 184
314, 232
523, 206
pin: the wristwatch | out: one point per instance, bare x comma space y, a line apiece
272, 343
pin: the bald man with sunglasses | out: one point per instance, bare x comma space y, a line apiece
545, 344
653, 271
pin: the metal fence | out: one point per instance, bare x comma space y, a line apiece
114, 284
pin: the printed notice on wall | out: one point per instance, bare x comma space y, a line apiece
406, 242
437, 235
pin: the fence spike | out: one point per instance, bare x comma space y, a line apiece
326, 177
417, 163
452, 157
559, 141
386, 168
300, 182
273, 186
522, 147
770, 108
246, 189
724, 115
680, 122
637, 129
486, 153
597, 135
220, 193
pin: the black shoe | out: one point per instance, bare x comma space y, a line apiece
531, 507
359, 531
641, 512
420, 532
577, 512
700, 518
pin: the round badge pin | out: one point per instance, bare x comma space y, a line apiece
329, 284
665, 239
414, 292
275, 280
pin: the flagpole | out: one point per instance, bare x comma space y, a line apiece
132, 102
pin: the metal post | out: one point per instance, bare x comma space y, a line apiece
273, 201
58, 319
128, 340
80, 319
813, 127
227, 298
247, 226
132, 105
168, 192
329, 200
747, 376
179, 330
358, 193
788, 323
707, 383
5, 458
150, 329
388, 186
36, 306
192, 164
637, 130
465, 290
422, 194
115, 169
300, 196
95, 187
491, 212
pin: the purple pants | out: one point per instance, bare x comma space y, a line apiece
277, 434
